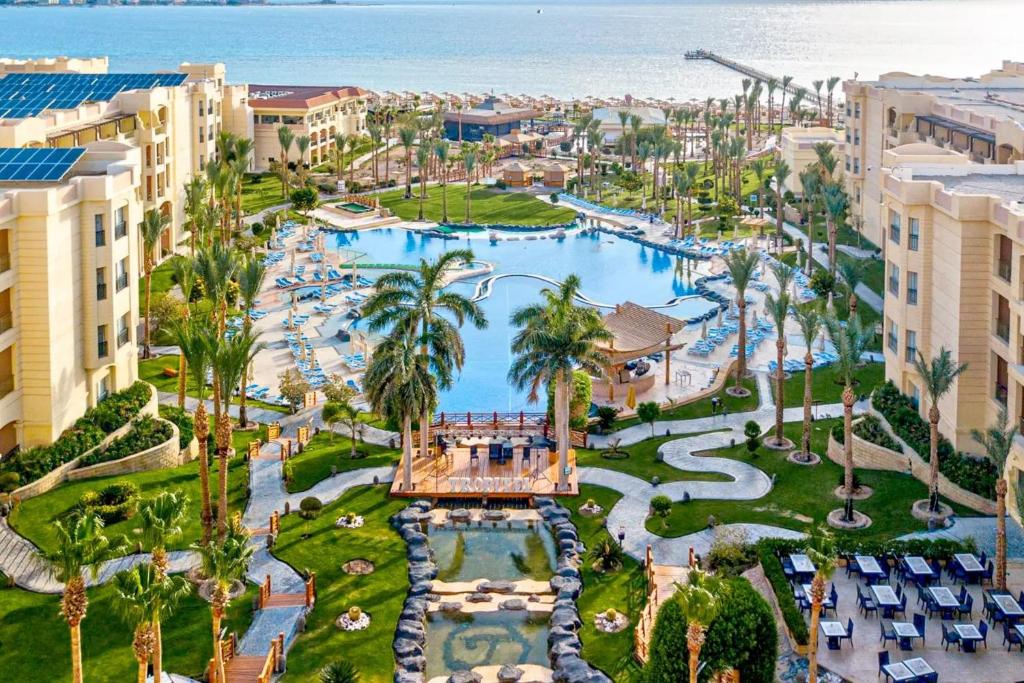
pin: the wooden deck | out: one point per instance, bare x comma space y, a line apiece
457, 474
662, 581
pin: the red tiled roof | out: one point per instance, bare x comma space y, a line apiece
299, 96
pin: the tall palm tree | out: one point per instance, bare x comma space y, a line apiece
741, 265
852, 273
808, 317
338, 152
836, 203
851, 342
441, 150
285, 138
830, 86
771, 85
374, 131
422, 163
469, 159
152, 228
623, 123
222, 564
162, 517
240, 167
407, 136
778, 308
810, 182
195, 200
816, 84
636, 124
146, 596
250, 283
191, 336
353, 144
420, 303
786, 82
185, 276
216, 266
938, 377
302, 144
701, 601
821, 551
997, 441
555, 337
780, 174
80, 546
400, 386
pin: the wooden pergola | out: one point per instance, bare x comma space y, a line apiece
756, 223
637, 332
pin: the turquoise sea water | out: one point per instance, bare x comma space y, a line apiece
573, 48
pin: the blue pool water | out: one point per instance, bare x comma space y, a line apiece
612, 271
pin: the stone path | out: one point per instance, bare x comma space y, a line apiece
983, 531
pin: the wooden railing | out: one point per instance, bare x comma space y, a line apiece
228, 648
274, 659
275, 523
264, 594
311, 590
492, 420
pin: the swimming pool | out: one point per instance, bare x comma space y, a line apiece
612, 270
354, 207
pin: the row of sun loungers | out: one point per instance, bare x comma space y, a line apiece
593, 206
821, 359
356, 361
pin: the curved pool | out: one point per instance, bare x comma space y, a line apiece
612, 271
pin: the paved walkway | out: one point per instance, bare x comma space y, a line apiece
983, 531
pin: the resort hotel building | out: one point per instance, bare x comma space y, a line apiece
84, 154
796, 147
314, 111
490, 117
982, 118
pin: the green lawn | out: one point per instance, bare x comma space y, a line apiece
702, 408
624, 590
34, 517
826, 384
873, 273
257, 196
641, 462
152, 370
488, 206
802, 496
34, 641
381, 593
323, 452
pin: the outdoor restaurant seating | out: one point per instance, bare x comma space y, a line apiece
886, 632
1012, 636
950, 637
865, 603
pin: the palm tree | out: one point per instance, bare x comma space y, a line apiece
285, 137
338, 152
191, 337
997, 441
817, 94
80, 546
741, 265
185, 276
810, 182
852, 273
836, 203
407, 136
623, 122
821, 552
222, 564
808, 317
353, 144
162, 517
555, 338
399, 385
830, 86
216, 266
250, 283
240, 167
339, 671
420, 303
778, 308
938, 377
346, 412
469, 163
441, 149
146, 595
786, 82
700, 599
195, 200
851, 342
152, 227
422, 162
780, 175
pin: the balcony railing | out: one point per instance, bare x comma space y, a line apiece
122, 281
1001, 393
1005, 270
1003, 330
122, 338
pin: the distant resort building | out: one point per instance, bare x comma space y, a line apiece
611, 124
490, 117
797, 149
317, 111
519, 143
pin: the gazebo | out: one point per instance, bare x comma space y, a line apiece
756, 224
556, 175
518, 174
637, 332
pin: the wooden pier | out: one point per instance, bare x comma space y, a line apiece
746, 70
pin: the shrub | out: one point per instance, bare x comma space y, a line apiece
870, 429
144, 434
743, 635
257, 229
822, 282
554, 197
310, 507
772, 568
113, 503
183, 420
327, 188
9, 481
661, 505
730, 554
339, 671
501, 184
606, 416
752, 431
667, 661
973, 474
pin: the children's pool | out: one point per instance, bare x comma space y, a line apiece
499, 551
612, 271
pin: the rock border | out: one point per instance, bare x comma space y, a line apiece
794, 458
410, 633
863, 493
860, 520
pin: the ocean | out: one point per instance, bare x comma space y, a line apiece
565, 48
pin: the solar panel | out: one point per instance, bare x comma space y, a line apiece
37, 164
24, 95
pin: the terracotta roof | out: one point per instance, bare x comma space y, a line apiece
299, 96
637, 329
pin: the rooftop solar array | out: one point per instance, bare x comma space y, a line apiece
25, 95
44, 164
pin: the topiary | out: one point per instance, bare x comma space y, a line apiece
661, 505
310, 507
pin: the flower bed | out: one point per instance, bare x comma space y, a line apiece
972, 474
88, 432
145, 434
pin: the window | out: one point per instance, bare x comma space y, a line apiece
122, 274
101, 341
101, 231
104, 388
267, 119
894, 279
856, 137
101, 284
856, 165
915, 234
201, 138
856, 110
1004, 257
911, 346
911, 288
201, 109
894, 336
915, 396
120, 224
894, 226
1000, 390
122, 330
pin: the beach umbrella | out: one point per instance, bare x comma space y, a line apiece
293, 261
312, 357
631, 397
719, 323
323, 293
704, 329
295, 301
291, 320
753, 315
302, 349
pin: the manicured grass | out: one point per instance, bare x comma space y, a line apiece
381, 593
641, 462
488, 206
152, 370
873, 273
826, 384
702, 408
264, 194
35, 646
624, 590
323, 452
34, 517
802, 496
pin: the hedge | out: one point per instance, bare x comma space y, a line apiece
870, 429
772, 568
111, 414
977, 475
186, 425
113, 503
145, 434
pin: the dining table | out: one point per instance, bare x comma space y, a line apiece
869, 568
906, 632
886, 598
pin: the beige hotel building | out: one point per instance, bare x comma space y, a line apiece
69, 242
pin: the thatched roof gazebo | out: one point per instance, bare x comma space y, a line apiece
637, 331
